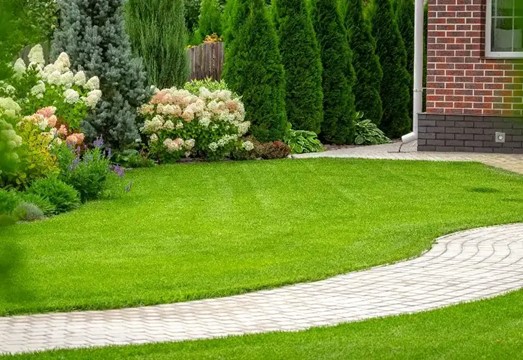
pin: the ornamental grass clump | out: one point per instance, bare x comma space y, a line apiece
180, 123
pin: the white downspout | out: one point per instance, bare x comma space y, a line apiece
418, 69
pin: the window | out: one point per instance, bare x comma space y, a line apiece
504, 29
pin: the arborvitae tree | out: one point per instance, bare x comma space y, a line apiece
301, 58
253, 69
365, 62
210, 21
338, 73
405, 16
158, 34
93, 33
395, 93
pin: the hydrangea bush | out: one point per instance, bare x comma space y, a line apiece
208, 124
36, 85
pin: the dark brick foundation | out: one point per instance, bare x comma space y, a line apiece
469, 133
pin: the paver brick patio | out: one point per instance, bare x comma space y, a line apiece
464, 266
400, 151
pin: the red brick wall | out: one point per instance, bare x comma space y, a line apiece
460, 80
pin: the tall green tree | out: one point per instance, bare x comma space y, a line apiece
210, 20
338, 73
93, 33
158, 35
395, 86
365, 62
253, 69
302, 62
405, 16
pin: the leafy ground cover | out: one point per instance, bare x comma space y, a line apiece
190, 231
489, 329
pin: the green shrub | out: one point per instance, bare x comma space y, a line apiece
302, 141
368, 133
159, 36
301, 59
395, 86
254, 70
132, 158
9, 200
42, 203
210, 21
63, 196
194, 86
338, 73
28, 212
88, 174
365, 62
405, 16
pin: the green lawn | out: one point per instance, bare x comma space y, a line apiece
490, 329
199, 230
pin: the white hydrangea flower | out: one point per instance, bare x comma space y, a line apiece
205, 122
243, 127
54, 78
179, 125
169, 125
248, 146
79, 78
213, 146
63, 63
67, 79
9, 107
19, 67
36, 55
189, 144
93, 83
92, 98
71, 96
154, 138
38, 89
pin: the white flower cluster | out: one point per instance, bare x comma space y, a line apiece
76, 87
9, 107
178, 144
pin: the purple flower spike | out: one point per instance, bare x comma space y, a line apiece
98, 143
119, 170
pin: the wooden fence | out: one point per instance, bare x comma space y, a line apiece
206, 61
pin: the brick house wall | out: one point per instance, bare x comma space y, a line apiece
470, 98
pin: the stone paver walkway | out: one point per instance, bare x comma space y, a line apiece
464, 266
399, 151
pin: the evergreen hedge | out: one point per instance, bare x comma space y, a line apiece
365, 62
158, 34
253, 69
395, 86
210, 21
92, 33
405, 16
301, 59
338, 73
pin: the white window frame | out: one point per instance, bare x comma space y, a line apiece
488, 40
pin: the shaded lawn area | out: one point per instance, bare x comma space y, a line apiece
489, 329
192, 231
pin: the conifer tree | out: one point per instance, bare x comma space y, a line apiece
302, 62
210, 20
365, 62
253, 69
405, 17
158, 34
93, 33
395, 89
338, 73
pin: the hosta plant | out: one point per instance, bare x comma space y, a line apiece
368, 133
302, 141
180, 123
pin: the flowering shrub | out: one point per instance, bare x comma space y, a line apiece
36, 85
210, 124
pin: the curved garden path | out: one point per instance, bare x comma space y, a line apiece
464, 266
